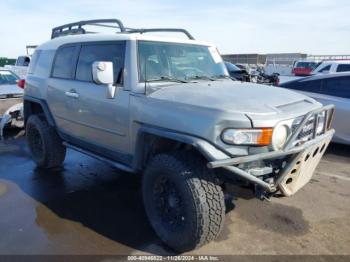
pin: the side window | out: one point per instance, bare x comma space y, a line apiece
34, 62
313, 86
326, 68
64, 62
339, 86
100, 52
343, 68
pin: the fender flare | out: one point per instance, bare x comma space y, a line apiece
208, 150
44, 106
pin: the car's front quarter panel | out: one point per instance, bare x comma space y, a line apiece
200, 122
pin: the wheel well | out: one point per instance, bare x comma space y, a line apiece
33, 107
153, 144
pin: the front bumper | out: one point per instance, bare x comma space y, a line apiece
302, 163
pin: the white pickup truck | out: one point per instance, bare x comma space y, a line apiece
329, 67
21, 66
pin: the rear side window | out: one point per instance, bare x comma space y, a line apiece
89, 54
34, 61
339, 86
64, 62
343, 68
313, 86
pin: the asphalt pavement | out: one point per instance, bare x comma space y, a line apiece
88, 207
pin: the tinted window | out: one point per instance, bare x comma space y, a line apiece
100, 52
326, 68
308, 86
64, 61
339, 86
343, 68
306, 65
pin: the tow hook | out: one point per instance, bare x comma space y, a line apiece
261, 193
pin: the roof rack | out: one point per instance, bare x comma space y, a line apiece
76, 28
151, 30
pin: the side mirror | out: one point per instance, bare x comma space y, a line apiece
102, 74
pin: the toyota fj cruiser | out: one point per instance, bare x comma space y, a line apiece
167, 108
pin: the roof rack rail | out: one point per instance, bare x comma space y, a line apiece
76, 28
149, 30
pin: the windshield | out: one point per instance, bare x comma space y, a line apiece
7, 78
312, 65
159, 61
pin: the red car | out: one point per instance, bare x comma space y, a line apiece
304, 68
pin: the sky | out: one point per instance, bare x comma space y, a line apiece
237, 26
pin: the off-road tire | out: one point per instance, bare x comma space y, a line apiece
201, 200
44, 143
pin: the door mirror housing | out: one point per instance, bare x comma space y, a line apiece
102, 74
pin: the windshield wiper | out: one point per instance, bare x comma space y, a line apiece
221, 76
201, 77
167, 78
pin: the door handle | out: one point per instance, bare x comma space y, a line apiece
72, 94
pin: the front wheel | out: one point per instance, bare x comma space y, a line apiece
183, 203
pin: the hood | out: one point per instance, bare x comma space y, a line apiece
10, 90
237, 97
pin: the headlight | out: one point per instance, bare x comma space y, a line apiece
261, 137
279, 137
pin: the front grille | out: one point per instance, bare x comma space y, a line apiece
307, 131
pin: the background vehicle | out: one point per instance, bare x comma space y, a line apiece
329, 67
167, 108
263, 78
11, 98
21, 66
304, 67
329, 89
237, 73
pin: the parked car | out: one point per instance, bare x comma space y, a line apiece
304, 67
166, 108
329, 89
237, 73
11, 100
329, 67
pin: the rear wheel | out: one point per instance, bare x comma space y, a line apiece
183, 203
44, 143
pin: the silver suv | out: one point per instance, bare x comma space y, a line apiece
167, 109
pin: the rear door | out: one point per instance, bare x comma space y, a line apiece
61, 96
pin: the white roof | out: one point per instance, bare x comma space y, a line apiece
56, 42
336, 62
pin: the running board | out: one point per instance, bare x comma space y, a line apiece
101, 158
